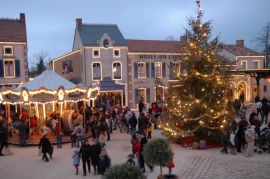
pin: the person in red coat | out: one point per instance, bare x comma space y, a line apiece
170, 166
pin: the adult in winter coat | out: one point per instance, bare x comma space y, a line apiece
250, 136
92, 127
45, 146
141, 106
108, 127
242, 126
3, 137
22, 132
265, 110
114, 118
143, 142
257, 123
133, 123
95, 152
78, 130
104, 162
84, 153
143, 122
58, 132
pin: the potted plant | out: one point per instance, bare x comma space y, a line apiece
124, 171
158, 152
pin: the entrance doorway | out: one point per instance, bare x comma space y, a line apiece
114, 98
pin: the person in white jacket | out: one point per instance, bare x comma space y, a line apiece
232, 140
250, 136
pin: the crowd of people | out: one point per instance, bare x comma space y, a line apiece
101, 122
243, 138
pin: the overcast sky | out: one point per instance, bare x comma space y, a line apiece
51, 23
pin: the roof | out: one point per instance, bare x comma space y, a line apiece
239, 50
159, 46
12, 30
91, 33
49, 80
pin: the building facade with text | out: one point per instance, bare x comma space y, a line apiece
126, 69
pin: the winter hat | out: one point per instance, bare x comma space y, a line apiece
76, 150
252, 127
102, 132
130, 155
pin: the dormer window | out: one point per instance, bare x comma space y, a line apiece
106, 43
8, 51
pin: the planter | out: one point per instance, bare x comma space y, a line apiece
168, 176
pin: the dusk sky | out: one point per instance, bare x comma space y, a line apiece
51, 23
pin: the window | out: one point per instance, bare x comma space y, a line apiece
9, 70
96, 53
142, 94
116, 53
256, 64
96, 71
8, 51
244, 65
141, 70
106, 43
158, 68
159, 94
116, 70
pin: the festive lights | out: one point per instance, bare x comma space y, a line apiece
197, 102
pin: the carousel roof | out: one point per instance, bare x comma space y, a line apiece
49, 80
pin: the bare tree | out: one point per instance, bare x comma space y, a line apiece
170, 38
40, 63
263, 42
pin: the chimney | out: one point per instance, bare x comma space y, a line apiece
22, 18
183, 39
240, 43
78, 22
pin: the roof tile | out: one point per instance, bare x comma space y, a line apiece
12, 30
161, 46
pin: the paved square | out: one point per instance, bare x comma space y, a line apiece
26, 164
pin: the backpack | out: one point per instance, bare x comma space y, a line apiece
79, 130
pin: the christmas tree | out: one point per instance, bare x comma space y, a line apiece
197, 104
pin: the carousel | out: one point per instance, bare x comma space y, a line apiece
46, 95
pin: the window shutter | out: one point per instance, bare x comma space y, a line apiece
163, 69
17, 68
152, 69
147, 70
135, 70
136, 96
148, 95
1, 68
171, 71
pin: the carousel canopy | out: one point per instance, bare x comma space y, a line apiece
49, 80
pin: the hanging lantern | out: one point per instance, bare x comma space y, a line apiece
268, 79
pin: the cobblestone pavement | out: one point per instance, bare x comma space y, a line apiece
189, 164
212, 167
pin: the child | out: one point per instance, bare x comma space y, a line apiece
102, 139
73, 140
224, 142
149, 129
130, 161
76, 159
232, 140
170, 166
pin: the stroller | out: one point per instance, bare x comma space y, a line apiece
263, 142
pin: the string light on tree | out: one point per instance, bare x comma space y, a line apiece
201, 92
